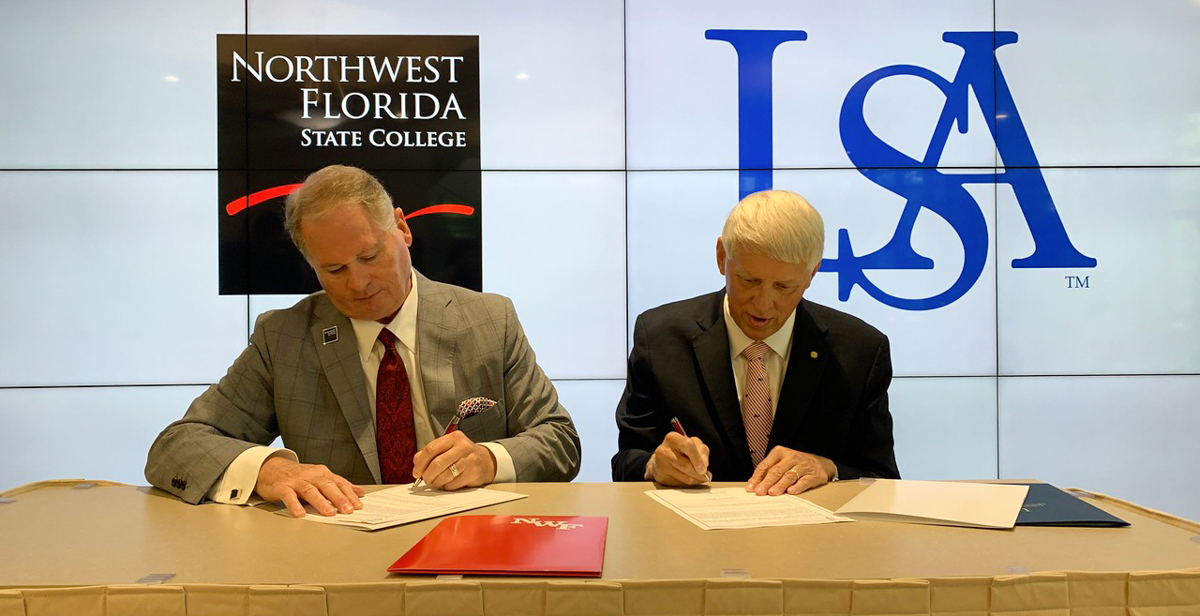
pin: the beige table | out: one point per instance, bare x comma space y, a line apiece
66, 550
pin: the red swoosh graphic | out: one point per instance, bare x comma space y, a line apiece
445, 208
237, 205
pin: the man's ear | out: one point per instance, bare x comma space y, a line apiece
403, 226
720, 256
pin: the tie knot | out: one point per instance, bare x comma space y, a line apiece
388, 339
756, 350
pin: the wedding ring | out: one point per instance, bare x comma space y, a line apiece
795, 475
454, 472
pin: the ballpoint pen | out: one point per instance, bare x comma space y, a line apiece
466, 408
678, 428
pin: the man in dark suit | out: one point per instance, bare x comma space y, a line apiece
361, 378
770, 388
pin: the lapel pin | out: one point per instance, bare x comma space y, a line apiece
329, 334
813, 355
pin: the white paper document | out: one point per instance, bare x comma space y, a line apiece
719, 508
950, 503
400, 505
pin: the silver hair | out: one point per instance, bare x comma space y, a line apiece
333, 186
778, 224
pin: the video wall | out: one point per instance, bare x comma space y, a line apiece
1011, 192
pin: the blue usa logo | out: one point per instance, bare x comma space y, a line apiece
919, 182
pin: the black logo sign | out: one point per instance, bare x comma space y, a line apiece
405, 108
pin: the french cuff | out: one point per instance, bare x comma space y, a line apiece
506, 471
236, 484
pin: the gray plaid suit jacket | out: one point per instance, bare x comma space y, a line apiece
290, 383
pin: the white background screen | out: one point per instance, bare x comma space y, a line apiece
610, 143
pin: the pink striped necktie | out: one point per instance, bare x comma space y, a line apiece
756, 404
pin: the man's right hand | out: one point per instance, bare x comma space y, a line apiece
281, 479
679, 461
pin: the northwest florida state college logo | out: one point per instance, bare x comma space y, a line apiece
405, 108
919, 182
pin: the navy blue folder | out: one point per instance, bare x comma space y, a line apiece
1046, 505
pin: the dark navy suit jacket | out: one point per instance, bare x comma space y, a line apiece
833, 401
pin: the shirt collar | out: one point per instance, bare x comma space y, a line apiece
404, 325
738, 340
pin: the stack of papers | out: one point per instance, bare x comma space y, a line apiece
717, 508
977, 505
402, 505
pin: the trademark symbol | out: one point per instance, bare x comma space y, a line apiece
1077, 282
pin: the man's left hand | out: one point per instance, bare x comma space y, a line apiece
791, 471
453, 461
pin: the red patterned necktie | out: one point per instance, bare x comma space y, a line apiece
395, 436
756, 405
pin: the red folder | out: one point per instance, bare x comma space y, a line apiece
510, 545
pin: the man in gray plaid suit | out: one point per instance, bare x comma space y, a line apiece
309, 375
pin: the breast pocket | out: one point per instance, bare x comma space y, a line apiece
488, 425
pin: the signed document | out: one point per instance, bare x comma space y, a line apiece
401, 505
719, 508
